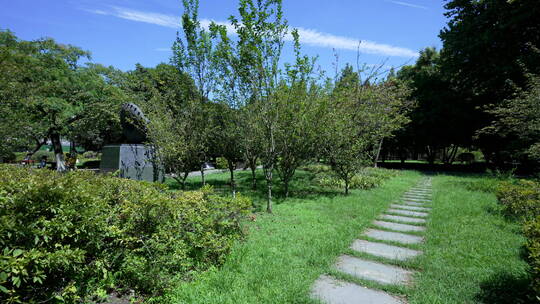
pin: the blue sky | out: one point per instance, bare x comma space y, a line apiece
125, 32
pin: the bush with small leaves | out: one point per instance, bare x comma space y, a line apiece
70, 236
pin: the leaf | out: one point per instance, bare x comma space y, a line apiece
3, 289
17, 252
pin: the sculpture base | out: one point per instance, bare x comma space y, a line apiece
132, 161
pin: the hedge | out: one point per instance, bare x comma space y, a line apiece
521, 200
70, 237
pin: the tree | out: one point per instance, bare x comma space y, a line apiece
489, 47
194, 53
169, 99
441, 120
261, 30
50, 93
517, 120
298, 107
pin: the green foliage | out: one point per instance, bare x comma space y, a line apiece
221, 163
317, 168
520, 199
68, 235
531, 230
40, 154
367, 178
90, 154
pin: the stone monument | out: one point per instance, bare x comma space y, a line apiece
132, 158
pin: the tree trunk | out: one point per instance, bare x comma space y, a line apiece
286, 186
233, 183
268, 174
346, 186
378, 153
58, 152
184, 180
202, 174
253, 177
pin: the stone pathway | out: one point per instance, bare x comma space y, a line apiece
408, 215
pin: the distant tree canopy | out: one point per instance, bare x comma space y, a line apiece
490, 54
46, 95
490, 48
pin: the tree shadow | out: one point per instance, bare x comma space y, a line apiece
503, 288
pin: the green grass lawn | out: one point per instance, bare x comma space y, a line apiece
471, 253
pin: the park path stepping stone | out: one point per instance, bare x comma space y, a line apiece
393, 236
384, 250
413, 208
418, 200
411, 203
417, 197
399, 227
333, 291
404, 219
407, 212
373, 271
418, 192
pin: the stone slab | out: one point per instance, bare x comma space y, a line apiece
411, 203
415, 199
373, 271
417, 196
413, 220
419, 192
408, 213
384, 250
398, 227
393, 236
412, 208
332, 291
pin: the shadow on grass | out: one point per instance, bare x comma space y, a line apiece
504, 288
301, 187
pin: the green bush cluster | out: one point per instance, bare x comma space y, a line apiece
72, 236
317, 168
521, 199
41, 153
90, 154
221, 163
367, 178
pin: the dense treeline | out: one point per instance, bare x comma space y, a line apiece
480, 91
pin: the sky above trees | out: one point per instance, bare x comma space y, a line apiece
125, 32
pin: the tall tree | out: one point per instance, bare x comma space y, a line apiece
194, 53
51, 93
261, 30
488, 49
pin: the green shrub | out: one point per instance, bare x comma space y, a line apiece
90, 154
520, 198
39, 154
221, 163
367, 178
8, 157
70, 236
531, 230
317, 168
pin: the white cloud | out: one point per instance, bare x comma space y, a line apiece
307, 36
408, 4
315, 38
